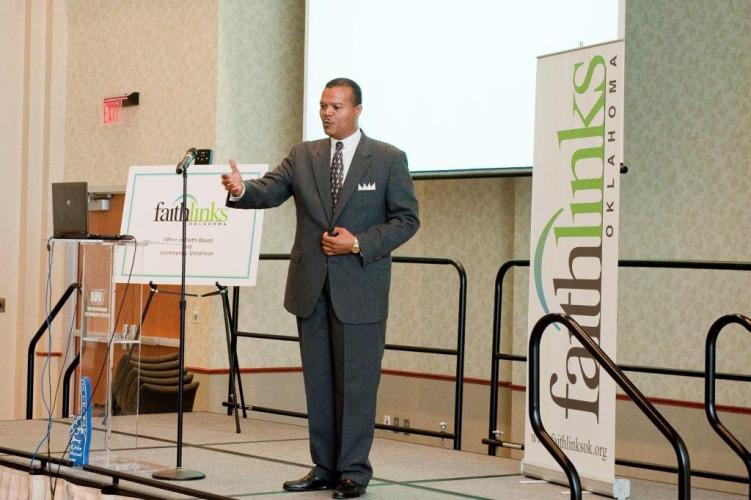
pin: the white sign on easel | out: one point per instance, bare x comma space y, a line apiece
223, 245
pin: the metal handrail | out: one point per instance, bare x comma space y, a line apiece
456, 436
65, 406
533, 386
492, 440
495, 362
33, 343
709, 388
46, 462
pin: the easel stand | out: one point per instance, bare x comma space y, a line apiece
230, 326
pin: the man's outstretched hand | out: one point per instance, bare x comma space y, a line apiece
339, 242
233, 181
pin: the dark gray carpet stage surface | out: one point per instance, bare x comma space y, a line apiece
255, 463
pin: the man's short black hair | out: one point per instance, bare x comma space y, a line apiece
346, 82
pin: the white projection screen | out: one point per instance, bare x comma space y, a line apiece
451, 82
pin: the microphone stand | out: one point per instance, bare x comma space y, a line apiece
178, 473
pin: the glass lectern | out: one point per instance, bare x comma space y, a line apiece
109, 350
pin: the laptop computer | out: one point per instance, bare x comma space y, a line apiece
70, 213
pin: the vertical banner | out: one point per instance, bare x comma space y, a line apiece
574, 256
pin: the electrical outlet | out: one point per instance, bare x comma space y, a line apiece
2, 305
386, 420
406, 426
396, 423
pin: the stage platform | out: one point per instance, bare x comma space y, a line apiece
255, 463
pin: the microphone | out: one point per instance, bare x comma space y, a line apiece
190, 155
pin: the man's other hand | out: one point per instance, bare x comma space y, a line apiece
339, 242
233, 181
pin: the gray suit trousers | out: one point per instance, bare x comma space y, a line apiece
342, 370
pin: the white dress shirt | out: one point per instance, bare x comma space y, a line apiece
348, 152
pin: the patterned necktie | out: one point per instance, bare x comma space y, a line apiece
337, 175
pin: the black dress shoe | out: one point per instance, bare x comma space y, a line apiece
310, 482
349, 489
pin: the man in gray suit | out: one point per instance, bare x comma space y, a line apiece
355, 203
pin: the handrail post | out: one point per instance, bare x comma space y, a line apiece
535, 418
33, 343
709, 388
460, 341
65, 407
684, 470
496, 349
494, 362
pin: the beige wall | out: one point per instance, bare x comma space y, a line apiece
688, 145
12, 16
168, 52
32, 103
165, 50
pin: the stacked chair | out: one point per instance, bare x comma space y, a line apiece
150, 385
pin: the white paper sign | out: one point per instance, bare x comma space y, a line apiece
223, 244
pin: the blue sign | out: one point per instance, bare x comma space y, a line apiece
80, 429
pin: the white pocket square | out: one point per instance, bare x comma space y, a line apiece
366, 187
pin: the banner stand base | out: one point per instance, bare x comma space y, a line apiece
619, 489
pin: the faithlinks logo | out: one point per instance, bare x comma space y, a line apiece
192, 211
567, 267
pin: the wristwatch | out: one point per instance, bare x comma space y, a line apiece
356, 246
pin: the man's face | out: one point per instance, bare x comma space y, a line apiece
338, 113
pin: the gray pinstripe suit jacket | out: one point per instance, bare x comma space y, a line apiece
377, 204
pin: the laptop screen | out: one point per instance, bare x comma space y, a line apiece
70, 209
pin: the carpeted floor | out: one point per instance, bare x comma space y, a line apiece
255, 463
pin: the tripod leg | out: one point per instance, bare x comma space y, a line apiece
230, 399
239, 378
233, 375
234, 321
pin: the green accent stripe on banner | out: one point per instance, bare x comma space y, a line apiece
539, 251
